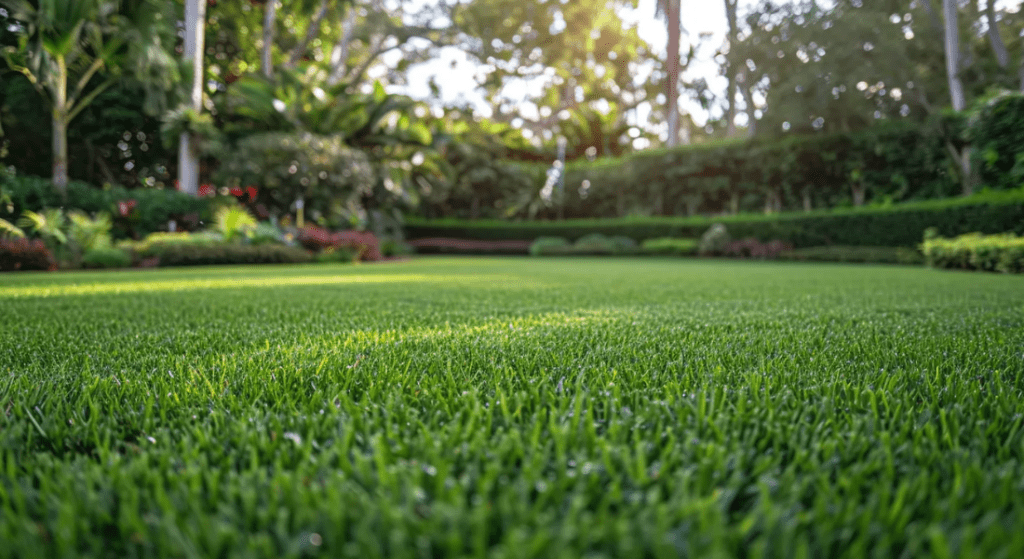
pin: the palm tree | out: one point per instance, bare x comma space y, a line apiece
65, 39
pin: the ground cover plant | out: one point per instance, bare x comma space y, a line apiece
513, 407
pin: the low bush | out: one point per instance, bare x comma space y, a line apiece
714, 241
226, 253
890, 226
20, 254
753, 248
842, 253
394, 247
974, 251
463, 246
156, 240
550, 246
106, 257
336, 255
595, 244
135, 212
669, 246
363, 244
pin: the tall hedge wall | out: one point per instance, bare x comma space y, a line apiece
894, 226
894, 161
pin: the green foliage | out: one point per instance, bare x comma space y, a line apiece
153, 208
10, 230
861, 254
974, 251
669, 246
106, 257
997, 138
337, 255
614, 408
204, 254
328, 175
550, 246
47, 224
714, 241
263, 233
594, 244
395, 247
89, 233
892, 226
233, 222
154, 241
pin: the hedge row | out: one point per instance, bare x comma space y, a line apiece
991, 253
889, 226
136, 212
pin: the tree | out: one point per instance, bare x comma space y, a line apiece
954, 58
730, 70
188, 156
64, 44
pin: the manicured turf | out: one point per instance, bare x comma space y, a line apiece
513, 408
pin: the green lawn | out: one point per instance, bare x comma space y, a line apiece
513, 408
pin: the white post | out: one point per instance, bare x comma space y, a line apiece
195, 32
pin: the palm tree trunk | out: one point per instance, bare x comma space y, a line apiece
60, 128
195, 31
730, 92
672, 67
953, 61
269, 18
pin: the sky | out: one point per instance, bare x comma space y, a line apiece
454, 71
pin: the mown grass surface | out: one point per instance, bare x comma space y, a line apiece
513, 408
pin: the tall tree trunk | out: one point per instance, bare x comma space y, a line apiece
998, 46
672, 67
953, 60
195, 31
60, 129
339, 56
730, 92
748, 100
269, 19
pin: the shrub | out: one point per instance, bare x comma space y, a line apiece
263, 233
149, 211
670, 246
321, 170
974, 251
233, 222
25, 254
997, 138
156, 240
753, 248
714, 241
364, 244
892, 226
394, 247
625, 245
468, 246
106, 257
226, 253
89, 233
595, 244
550, 246
336, 255
842, 253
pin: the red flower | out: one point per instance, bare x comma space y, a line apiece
252, 193
125, 207
206, 190
236, 191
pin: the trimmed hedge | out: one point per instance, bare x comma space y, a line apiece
860, 254
974, 251
225, 253
890, 226
142, 211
